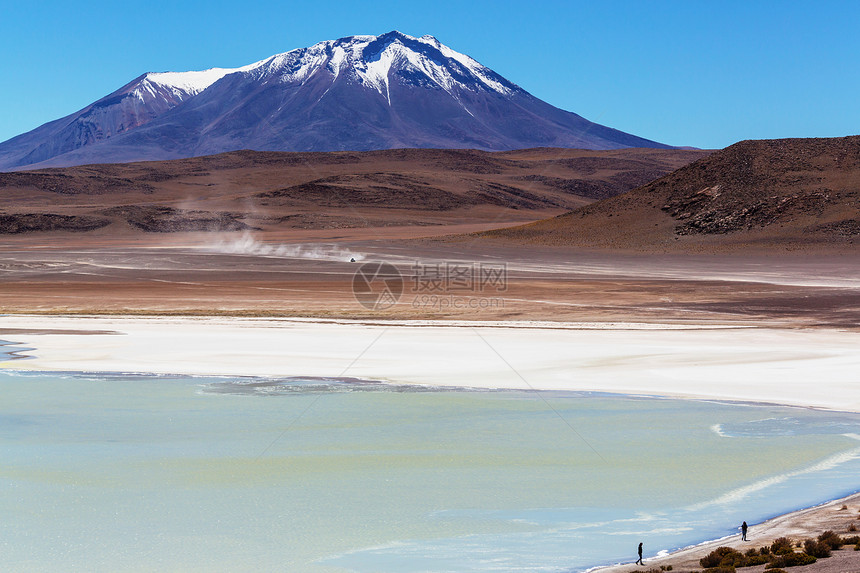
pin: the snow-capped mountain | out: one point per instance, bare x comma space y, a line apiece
355, 93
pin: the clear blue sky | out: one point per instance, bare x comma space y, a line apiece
697, 73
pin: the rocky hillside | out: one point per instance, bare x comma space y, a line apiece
785, 193
273, 191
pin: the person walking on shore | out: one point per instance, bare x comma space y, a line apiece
744, 531
639, 561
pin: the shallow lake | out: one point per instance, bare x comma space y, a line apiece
107, 472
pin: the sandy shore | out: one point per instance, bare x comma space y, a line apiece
797, 525
800, 367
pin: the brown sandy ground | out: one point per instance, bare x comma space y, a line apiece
540, 284
408, 206
799, 525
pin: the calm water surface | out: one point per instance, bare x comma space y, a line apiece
131, 472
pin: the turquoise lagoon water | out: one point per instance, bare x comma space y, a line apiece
131, 472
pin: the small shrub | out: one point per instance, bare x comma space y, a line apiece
731, 558
791, 560
831, 538
765, 550
777, 570
750, 557
853, 540
720, 569
857, 547
722, 557
843, 507
852, 527
781, 546
818, 549
797, 559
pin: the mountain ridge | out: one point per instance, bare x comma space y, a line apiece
353, 93
282, 193
789, 194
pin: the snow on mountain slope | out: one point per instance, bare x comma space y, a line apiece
358, 92
185, 84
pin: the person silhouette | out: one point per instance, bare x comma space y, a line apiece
639, 561
744, 531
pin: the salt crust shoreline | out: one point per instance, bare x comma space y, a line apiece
816, 368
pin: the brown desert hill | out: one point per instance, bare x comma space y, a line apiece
282, 192
783, 194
